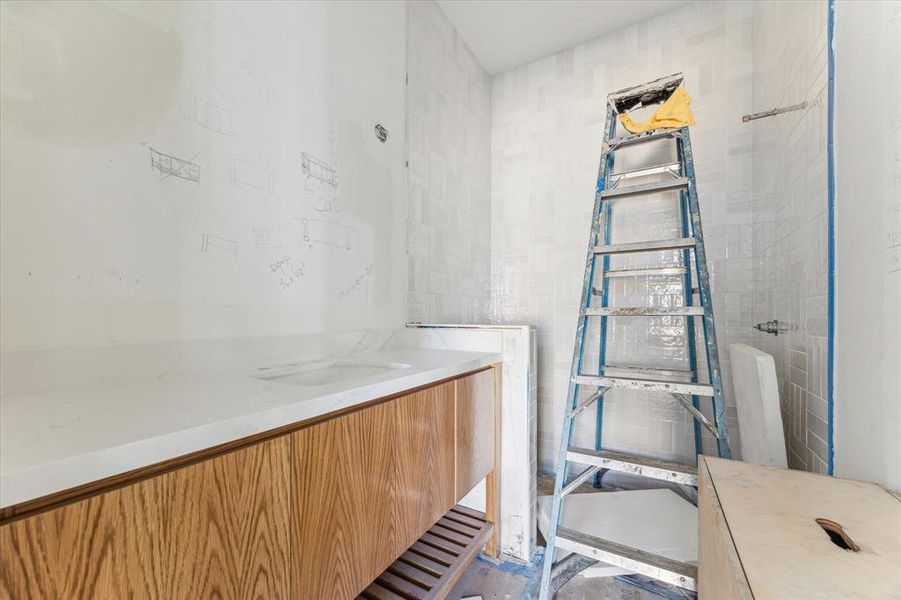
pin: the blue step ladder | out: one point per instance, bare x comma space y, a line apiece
668, 577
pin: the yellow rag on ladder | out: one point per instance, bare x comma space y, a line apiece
675, 112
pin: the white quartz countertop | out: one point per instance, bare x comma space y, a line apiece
55, 440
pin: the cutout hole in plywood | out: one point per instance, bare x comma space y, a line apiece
837, 534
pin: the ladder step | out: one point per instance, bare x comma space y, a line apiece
638, 561
637, 465
613, 273
680, 183
650, 385
645, 171
647, 93
645, 246
641, 138
649, 372
644, 311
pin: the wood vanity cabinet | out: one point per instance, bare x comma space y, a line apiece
367, 485
212, 529
476, 430
315, 512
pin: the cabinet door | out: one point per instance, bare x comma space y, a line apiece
365, 486
475, 430
214, 529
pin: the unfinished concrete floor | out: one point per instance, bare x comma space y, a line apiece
505, 582
514, 581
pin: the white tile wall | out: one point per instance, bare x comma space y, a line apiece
789, 208
449, 221
546, 130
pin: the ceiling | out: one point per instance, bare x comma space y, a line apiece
507, 33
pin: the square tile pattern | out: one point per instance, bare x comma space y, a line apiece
789, 203
498, 224
448, 173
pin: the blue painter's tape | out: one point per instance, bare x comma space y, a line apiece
830, 170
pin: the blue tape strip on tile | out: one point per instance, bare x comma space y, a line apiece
830, 308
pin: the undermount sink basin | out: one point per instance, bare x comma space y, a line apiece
328, 372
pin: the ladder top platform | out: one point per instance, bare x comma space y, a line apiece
653, 92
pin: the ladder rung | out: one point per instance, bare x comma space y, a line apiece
648, 188
645, 171
640, 138
670, 387
637, 465
622, 370
644, 311
644, 272
632, 559
645, 246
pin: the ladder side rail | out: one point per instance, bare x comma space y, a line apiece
573, 393
690, 329
603, 184
713, 366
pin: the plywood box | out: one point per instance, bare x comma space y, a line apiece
760, 539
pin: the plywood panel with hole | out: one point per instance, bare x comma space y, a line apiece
475, 447
215, 529
366, 486
771, 521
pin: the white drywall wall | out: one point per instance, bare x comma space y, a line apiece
107, 240
868, 241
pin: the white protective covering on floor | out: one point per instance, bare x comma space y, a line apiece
757, 400
658, 521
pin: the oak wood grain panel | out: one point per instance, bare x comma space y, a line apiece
216, 529
475, 434
423, 460
365, 487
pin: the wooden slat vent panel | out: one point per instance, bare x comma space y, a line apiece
434, 563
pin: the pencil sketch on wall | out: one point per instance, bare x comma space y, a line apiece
267, 237
327, 233
218, 243
356, 284
243, 174
320, 184
171, 166
287, 270
318, 169
211, 117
